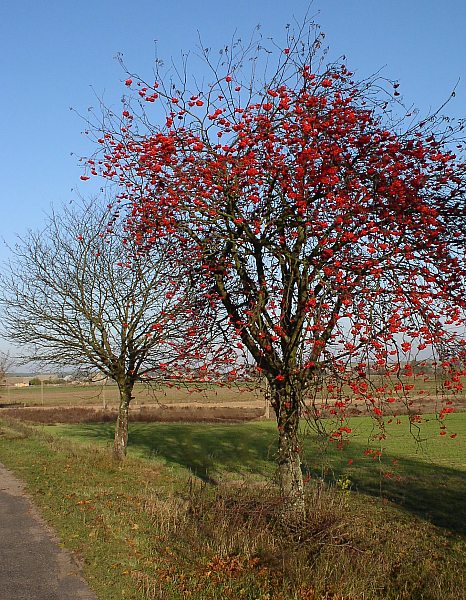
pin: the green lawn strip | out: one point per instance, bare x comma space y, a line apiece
207, 452
418, 469
427, 477
138, 540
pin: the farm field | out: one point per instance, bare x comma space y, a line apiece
425, 394
107, 395
191, 512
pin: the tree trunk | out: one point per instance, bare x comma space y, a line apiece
121, 429
285, 401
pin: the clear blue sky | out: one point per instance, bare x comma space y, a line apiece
54, 53
57, 54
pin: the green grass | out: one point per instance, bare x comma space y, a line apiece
151, 529
426, 476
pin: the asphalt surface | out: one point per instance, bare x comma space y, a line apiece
32, 564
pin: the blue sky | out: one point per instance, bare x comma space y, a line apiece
57, 54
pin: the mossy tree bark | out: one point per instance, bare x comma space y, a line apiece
121, 429
285, 400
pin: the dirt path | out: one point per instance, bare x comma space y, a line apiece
32, 565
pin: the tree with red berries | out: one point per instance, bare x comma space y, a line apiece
325, 223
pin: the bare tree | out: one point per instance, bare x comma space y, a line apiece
74, 295
5, 366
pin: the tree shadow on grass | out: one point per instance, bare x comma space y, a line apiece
433, 492
203, 449
206, 450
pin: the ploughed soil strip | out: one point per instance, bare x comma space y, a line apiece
208, 414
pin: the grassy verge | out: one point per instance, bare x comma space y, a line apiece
152, 529
425, 475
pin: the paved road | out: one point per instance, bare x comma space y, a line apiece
32, 565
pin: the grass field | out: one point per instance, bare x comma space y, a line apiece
427, 477
156, 527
